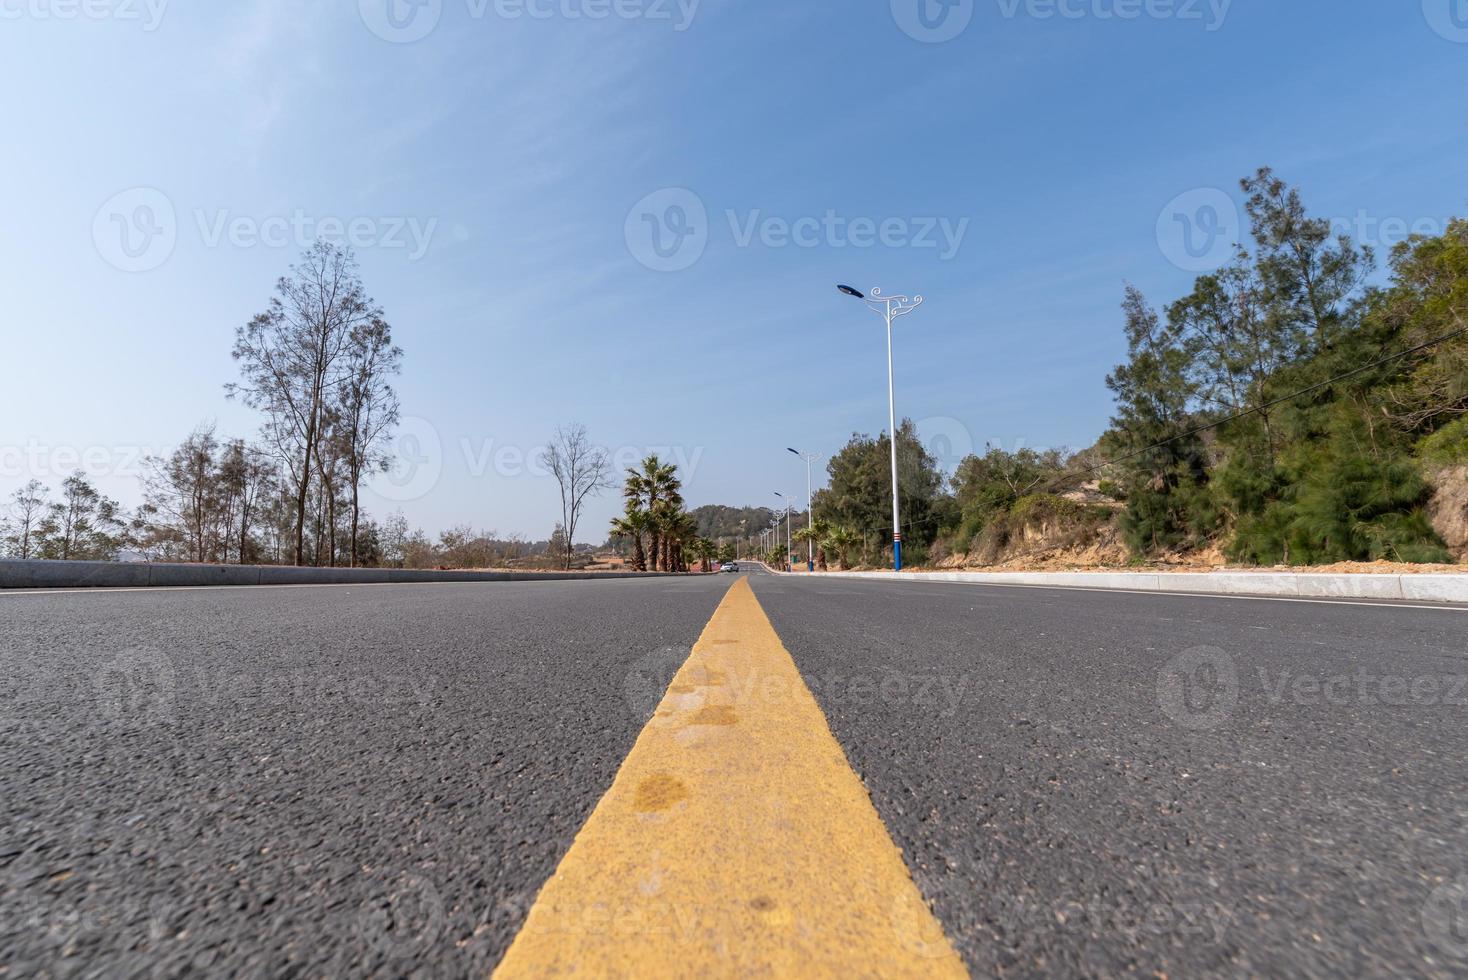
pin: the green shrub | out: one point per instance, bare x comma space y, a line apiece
1447, 446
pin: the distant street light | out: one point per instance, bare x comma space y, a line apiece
890, 308
789, 540
810, 508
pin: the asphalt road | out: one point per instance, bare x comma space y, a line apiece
1094, 784
311, 781
377, 781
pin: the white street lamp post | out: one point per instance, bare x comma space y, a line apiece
890, 308
810, 508
789, 539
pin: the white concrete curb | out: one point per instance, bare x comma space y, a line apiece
1312, 585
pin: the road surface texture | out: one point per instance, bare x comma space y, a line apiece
310, 781
1091, 783
380, 780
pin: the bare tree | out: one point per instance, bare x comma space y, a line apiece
182, 496
294, 358
581, 470
246, 479
367, 410
83, 526
28, 507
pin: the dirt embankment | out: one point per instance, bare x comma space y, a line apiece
1449, 509
1086, 539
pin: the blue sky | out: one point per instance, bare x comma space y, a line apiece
503, 176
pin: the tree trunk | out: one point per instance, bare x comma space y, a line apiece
356, 513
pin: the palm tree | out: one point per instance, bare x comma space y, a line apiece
655, 484
818, 531
633, 524
678, 527
841, 540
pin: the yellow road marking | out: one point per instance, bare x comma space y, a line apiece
735, 840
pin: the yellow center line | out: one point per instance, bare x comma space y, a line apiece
735, 840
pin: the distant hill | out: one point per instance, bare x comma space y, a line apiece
717, 521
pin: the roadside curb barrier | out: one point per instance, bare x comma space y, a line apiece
32, 574
1430, 587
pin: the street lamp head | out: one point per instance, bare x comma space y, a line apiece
849, 291
795, 451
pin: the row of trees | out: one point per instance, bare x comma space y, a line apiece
319, 363
222, 507
662, 535
1289, 408
1285, 409
77, 524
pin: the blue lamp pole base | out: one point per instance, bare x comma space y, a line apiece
897, 554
